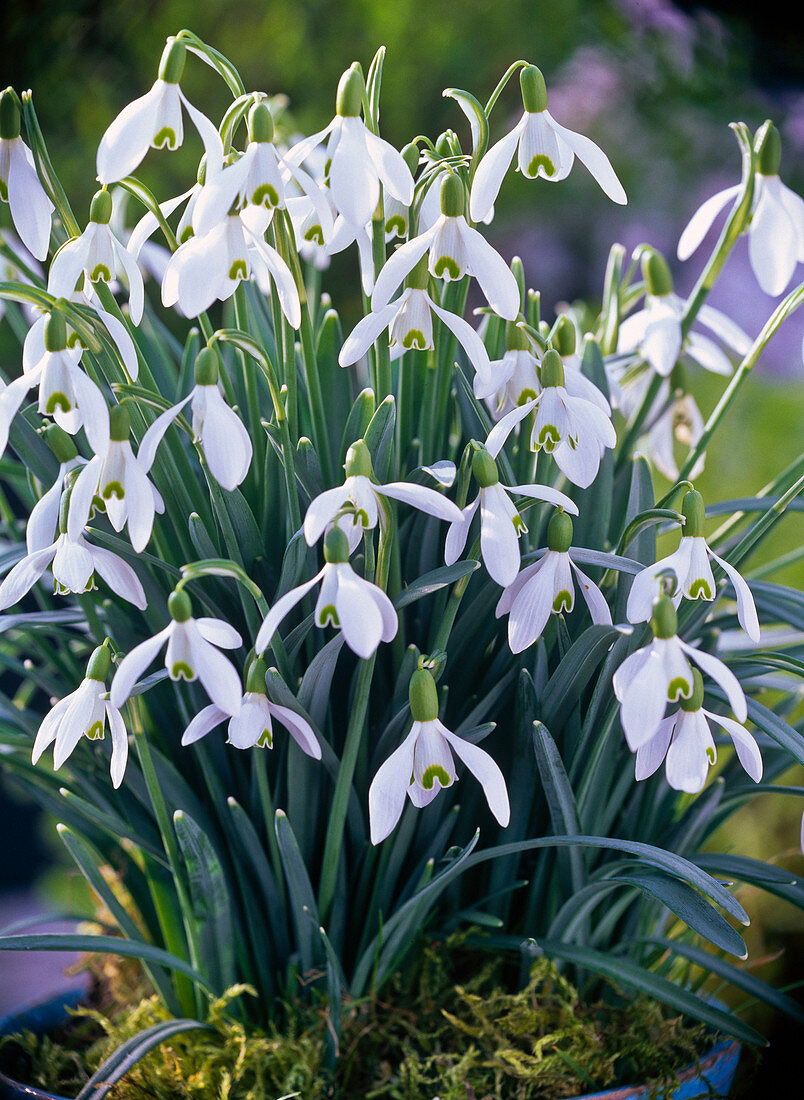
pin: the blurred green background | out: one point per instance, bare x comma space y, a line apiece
654, 83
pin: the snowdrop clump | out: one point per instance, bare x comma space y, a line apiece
453, 473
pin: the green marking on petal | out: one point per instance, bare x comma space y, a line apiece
265, 195
315, 234
396, 222
181, 671
562, 602
329, 615
95, 731
186, 234
678, 687
58, 400
73, 340
435, 771
165, 138
701, 589
710, 752
100, 272
447, 268
3, 190
525, 396
238, 270
540, 161
549, 438
519, 525
265, 740
414, 338
113, 489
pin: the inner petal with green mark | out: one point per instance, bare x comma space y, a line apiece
677, 687
414, 338
396, 222
562, 602
3, 190
181, 671
525, 396
265, 740
710, 752
265, 195
113, 489
519, 525
165, 138
541, 161
315, 234
328, 614
446, 268
700, 588
95, 731
58, 400
549, 438
100, 272
435, 771
238, 270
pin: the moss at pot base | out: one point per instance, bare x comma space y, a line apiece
449, 1027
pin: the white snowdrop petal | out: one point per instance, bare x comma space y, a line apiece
490, 174
120, 577
531, 606
133, 665
772, 244
217, 674
353, 180
467, 337
155, 433
358, 613
458, 533
129, 137
502, 429
49, 728
687, 764
281, 608
220, 633
744, 744
391, 167
208, 132
722, 676
136, 288
24, 576
81, 497
595, 600
650, 754
499, 541
117, 728
495, 277
397, 268
28, 204
227, 444
40, 530
487, 772
205, 721
300, 729
426, 500
364, 334
700, 222
386, 797
644, 699
593, 157
746, 608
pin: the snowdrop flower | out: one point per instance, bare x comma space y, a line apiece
117, 477
193, 653
574, 430
546, 588
684, 742
344, 234
500, 522
31, 210
154, 121
693, 573
660, 673
362, 496
359, 608
43, 522
257, 179
309, 233
223, 437
410, 324
543, 148
97, 255
423, 765
776, 227
65, 392
74, 563
208, 268
455, 249
359, 160
252, 727
84, 713
654, 332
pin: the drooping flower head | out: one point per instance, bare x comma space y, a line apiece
31, 210
423, 765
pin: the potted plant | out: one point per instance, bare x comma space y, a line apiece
369, 631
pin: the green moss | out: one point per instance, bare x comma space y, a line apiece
451, 1026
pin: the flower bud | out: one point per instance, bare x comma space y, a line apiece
423, 695
99, 664
358, 460
119, 423
694, 514
349, 100
255, 680
695, 701
564, 337
552, 370
336, 547
60, 443
484, 468
100, 209
453, 195
410, 155
260, 123
664, 621
770, 152
55, 332
657, 273
207, 367
534, 90
180, 607
171, 66
515, 337
9, 115
559, 533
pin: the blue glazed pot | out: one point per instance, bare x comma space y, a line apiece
716, 1070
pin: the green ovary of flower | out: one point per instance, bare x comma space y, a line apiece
678, 687
165, 138
113, 489
265, 195
700, 589
238, 270
562, 602
445, 265
58, 400
541, 161
100, 272
435, 771
414, 339
181, 671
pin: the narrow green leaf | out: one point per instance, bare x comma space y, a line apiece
433, 581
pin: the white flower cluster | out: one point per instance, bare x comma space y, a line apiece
313, 199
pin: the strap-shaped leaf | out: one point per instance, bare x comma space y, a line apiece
574, 672
380, 435
478, 122
304, 908
432, 581
560, 798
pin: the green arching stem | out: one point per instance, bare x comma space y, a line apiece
252, 410
382, 382
453, 604
495, 95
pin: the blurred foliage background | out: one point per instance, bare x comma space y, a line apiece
654, 83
